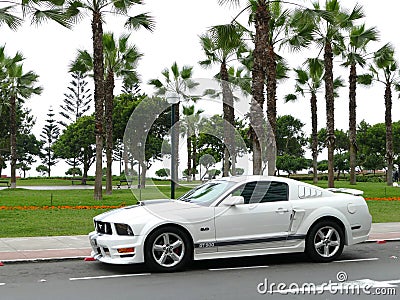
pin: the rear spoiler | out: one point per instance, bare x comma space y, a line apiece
346, 191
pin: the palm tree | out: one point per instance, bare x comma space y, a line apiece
20, 86
326, 26
309, 81
178, 81
223, 44
261, 17
98, 8
355, 54
191, 119
120, 60
385, 70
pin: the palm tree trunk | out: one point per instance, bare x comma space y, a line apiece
13, 140
330, 111
229, 120
314, 136
271, 107
143, 175
389, 133
352, 122
109, 89
189, 159
98, 68
194, 155
262, 18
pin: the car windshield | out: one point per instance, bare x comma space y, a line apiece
207, 193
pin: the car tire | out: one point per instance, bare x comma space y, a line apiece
325, 241
168, 249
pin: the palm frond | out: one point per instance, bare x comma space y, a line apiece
155, 82
12, 21
229, 2
302, 76
290, 98
365, 79
75, 11
186, 72
142, 20
41, 16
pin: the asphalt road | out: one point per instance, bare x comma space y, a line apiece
364, 271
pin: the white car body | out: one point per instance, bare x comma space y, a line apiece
223, 228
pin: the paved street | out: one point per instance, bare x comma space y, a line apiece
370, 263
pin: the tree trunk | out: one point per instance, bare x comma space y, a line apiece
109, 89
13, 140
314, 136
229, 122
330, 111
352, 122
98, 69
262, 18
194, 155
143, 175
49, 161
85, 168
271, 109
189, 159
389, 134
1, 164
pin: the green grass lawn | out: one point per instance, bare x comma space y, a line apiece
370, 189
55, 221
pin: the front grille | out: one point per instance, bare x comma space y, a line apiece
103, 227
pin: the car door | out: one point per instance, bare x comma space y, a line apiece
261, 222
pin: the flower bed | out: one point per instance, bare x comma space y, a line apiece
383, 199
77, 207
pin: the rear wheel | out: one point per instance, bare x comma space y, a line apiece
168, 249
325, 241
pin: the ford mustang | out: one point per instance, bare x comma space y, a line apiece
233, 217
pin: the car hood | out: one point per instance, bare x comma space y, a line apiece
163, 209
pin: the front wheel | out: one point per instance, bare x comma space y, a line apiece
325, 241
168, 249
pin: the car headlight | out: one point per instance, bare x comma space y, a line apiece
123, 229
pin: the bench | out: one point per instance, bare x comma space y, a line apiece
76, 179
128, 182
6, 182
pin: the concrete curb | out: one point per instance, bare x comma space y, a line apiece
37, 260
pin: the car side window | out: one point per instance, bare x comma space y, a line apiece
262, 191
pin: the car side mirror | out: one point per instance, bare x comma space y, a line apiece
233, 201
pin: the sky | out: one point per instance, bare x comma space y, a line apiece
50, 48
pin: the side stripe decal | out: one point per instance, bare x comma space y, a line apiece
254, 241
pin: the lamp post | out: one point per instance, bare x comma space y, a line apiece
173, 99
139, 177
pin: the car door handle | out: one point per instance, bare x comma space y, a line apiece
281, 210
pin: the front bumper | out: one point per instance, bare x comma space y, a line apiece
105, 248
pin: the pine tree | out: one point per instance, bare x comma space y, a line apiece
77, 100
76, 103
49, 136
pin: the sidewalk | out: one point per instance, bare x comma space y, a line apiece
75, 247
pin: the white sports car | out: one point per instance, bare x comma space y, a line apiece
233, 217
